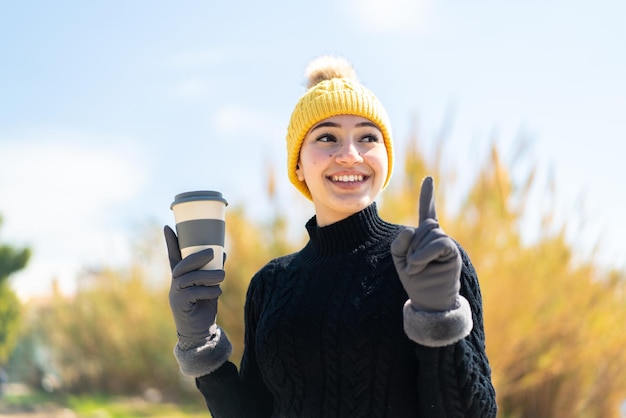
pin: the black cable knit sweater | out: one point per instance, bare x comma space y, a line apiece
325, 338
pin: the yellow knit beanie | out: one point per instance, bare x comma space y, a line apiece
333, 89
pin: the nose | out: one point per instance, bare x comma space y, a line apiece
349, 154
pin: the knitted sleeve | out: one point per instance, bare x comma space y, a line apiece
457, 378
232, 394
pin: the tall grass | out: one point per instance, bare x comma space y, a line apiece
553, 319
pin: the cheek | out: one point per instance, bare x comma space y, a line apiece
313, 159
380, 164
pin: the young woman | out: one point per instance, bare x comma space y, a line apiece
369, 319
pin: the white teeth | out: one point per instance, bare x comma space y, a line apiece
348, 178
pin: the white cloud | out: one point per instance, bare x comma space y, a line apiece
197, 61
238, 120
192, 88
57, 192
388, 16
63, 180
200, 58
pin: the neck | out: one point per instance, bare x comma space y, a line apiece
348, 235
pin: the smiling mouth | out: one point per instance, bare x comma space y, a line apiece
351, 178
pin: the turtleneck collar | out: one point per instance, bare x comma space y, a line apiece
348, 235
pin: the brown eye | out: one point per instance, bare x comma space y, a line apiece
326, 138
370, 138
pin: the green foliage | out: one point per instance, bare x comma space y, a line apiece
115, 335
11, 261
10, 311
129, 407
93, 405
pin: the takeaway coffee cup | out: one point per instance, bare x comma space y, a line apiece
199, 217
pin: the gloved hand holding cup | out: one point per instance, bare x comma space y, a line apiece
196, 255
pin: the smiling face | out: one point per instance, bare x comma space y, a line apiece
343, 161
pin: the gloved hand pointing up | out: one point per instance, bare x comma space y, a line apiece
427, 260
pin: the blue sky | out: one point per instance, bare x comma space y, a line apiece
111, 108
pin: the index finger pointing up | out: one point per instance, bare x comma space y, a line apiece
427, 201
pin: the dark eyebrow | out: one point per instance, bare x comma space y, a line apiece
367, 123
337, 125
326, 124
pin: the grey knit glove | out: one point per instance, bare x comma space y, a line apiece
202, 345
427, 260
193, 293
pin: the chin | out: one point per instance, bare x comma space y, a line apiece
355, 204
